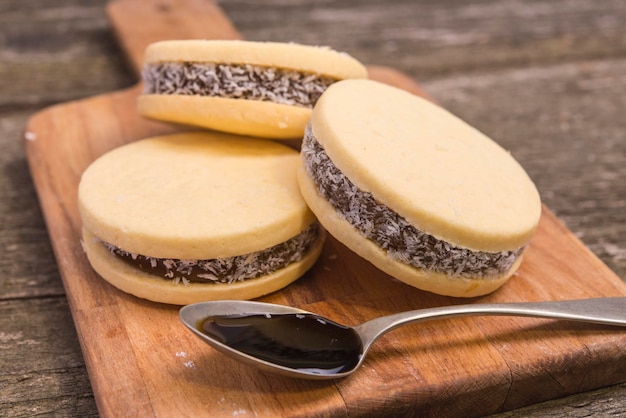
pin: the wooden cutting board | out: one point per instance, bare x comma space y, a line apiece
143, 362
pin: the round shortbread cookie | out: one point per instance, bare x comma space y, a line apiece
194, 195
203, 201
264, 89
417, 191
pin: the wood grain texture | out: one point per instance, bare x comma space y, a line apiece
168, 19
547, 82
510, 360
430, 38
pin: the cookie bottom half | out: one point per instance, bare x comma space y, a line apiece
237, 116
144, 285
420, 278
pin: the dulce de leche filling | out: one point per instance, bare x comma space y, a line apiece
390, 231
235, 81
225, 270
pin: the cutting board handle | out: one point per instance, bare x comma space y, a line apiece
138, 23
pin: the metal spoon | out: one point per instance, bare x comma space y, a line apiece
298, 343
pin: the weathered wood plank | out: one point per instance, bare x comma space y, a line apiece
606, 402
428, 38
53, 52
42, 368
27, 265
57, 43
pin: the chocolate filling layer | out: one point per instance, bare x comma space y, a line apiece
229, 269
390, 231
235, 82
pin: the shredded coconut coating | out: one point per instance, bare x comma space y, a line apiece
236, 82
390, 231
229, 269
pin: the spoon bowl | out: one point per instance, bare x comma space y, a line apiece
302, 344
193, 316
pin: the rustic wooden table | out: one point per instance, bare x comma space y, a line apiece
546, 79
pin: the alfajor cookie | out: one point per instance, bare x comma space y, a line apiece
415, 190
197, 216
263, 89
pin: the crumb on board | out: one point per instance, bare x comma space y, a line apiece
188, 364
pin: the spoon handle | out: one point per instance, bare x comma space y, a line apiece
609, 311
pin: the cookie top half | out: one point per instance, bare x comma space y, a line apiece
194, 196
442, 175
290, 56
261, 89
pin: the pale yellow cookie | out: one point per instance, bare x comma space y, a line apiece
197, 216
264, 89
179, 292
415, 190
